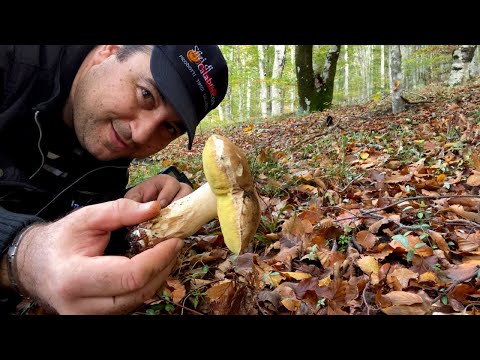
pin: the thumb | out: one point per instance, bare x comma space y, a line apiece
113, 215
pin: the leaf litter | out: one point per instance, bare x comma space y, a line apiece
376, 214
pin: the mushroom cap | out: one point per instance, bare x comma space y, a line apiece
238, 208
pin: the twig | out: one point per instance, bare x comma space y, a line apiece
409, 199
314, 136
350, 183
417, 102
364, 298
399, 224
461, 222
184, 307
455, 283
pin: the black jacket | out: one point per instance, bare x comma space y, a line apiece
44, 173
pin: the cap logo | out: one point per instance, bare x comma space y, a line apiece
195, 56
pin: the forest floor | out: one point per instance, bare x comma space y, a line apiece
367, 213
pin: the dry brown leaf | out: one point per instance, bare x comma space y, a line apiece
178, 289
295, 275
476, 160
295, 226
468, 242
328, 258
219, 291
402, 275
439, 241
291, 304
285, 291
403, 298
474, 179
470, 202
325, 281
366, 239
469, 215
404, 310
457, 272
376, 226
393, 179
368, 265
428, 277
474, 259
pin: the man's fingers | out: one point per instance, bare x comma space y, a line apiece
113, 215
117, 275
119, 304
184, 191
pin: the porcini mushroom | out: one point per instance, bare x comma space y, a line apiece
228, 194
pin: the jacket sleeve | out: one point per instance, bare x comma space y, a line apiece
11, 223
5, 55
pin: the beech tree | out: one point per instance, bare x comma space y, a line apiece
396, 80
462, 57
315, 91
278, 66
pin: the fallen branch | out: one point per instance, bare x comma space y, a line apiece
408, 199
455, 283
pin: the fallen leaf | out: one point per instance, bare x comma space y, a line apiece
403, 298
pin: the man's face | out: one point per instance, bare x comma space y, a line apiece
117, 110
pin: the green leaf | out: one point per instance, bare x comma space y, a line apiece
169, 307
150, 312
420, 215
444, 300
320, 302
410, 255
402, 238
420, 244
407, 208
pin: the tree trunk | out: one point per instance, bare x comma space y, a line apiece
396, 81
345, 79
278, 66
263, 85
382, 66
329, 70
474, 68
462, 58
305, 83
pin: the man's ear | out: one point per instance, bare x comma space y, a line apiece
104, 51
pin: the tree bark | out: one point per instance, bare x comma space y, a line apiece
345, 79
462, 58
304, 71
396, 81
263, 84
325, 93
315, 91
278, 66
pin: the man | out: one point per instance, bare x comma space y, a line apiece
71, 120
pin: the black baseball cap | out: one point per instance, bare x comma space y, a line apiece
193, 78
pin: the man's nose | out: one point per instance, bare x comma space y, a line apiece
145, 126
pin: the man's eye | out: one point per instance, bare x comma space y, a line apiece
172, 129
146, 94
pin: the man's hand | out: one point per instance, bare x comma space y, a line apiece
163, 188
60, 264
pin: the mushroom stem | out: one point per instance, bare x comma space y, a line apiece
229, 192
182, 218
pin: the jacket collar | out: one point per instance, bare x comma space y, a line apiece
70, 59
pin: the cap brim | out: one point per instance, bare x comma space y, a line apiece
172, 87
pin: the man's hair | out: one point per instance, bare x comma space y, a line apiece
126, 51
